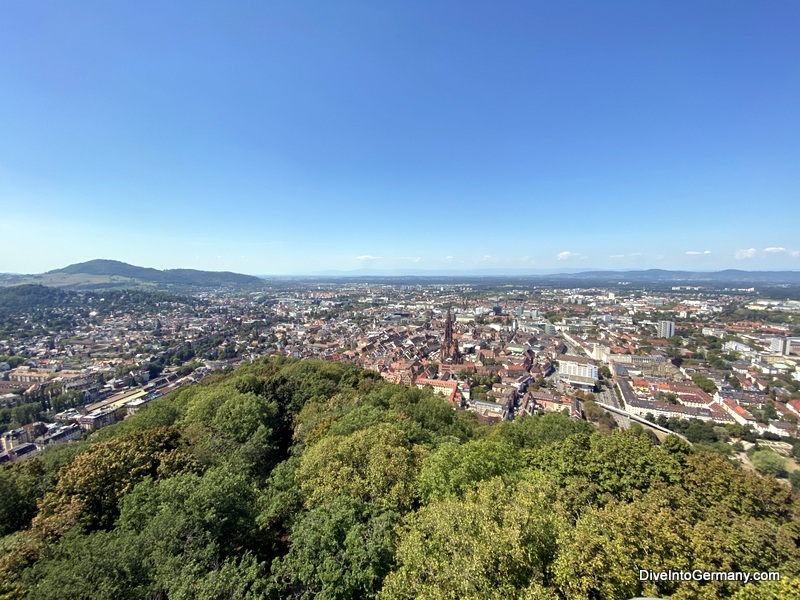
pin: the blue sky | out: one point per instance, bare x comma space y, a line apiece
297, 137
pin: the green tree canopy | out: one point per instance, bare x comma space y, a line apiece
377, 464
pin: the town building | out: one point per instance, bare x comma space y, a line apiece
577, 371
666, 329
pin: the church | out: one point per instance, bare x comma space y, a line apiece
449, 352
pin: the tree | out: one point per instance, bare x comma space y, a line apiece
606, 423
640, 430
494, 544
341, 550
768, 462
114, 560
700, 431
620, 464
381, 491
17, 507
704, 383
601, 556
665, 529
187, 536
96, 480
188, 368
453, 469
713, 481
27, 413
377, 464
786, 588
676, 446
592, 411
538, 431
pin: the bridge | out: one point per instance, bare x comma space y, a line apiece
621, 413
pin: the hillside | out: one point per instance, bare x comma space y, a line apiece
109, 273
289, 479
111, 268
30, 296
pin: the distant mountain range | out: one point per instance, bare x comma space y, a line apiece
726, 277
106, 274
718, 277
113, 274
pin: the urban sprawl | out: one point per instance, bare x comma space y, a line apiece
726, 357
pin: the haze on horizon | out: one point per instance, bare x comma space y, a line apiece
301, 138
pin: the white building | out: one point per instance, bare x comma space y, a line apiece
732, 346
666, 329
577, 371
777, 345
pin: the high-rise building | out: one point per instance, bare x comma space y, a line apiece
779, 345
666, 329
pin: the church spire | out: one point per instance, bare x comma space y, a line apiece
450, 351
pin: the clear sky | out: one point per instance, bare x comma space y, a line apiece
296, 137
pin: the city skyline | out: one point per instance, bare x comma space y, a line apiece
457, 137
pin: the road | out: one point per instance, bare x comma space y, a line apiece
608, 397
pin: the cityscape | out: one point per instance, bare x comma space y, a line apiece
399, 300
716, 355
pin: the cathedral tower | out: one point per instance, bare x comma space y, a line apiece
450, 351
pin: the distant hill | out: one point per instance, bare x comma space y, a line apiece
210, 278
110, 268
103, 274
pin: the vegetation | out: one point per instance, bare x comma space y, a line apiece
304, 479
174, 277
30, 296
704, 383
767, 461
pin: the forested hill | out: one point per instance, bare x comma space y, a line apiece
30, 297
171, 277
27, 298
113, 274
289, 479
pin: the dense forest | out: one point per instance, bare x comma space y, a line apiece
305, 479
